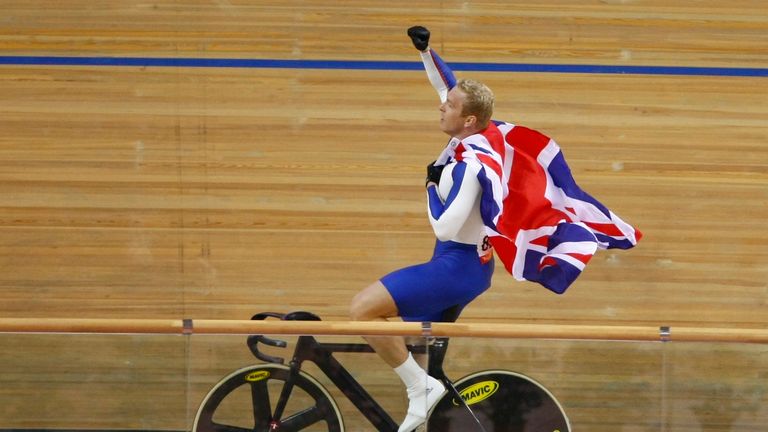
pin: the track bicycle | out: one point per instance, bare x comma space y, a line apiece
277, 397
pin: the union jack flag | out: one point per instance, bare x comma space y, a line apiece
541, 224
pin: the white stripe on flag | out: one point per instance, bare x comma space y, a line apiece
582, 247
570, 260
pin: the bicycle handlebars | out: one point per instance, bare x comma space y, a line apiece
253, 340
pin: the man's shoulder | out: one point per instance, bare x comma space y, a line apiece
469, 165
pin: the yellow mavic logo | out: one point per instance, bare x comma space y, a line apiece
257, 376
478, 392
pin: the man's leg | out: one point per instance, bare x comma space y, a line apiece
375, 303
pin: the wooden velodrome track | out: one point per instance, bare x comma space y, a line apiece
149, 191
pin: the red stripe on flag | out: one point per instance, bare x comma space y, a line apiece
505, 249
496, 139
581, 257
547, 262
550, 261
527, 140
608, 229
458, 152
490, 163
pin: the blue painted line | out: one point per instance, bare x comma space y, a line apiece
379, 65
606, 69
209, 63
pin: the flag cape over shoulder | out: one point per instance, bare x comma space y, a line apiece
541, 224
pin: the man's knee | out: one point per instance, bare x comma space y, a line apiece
358, 307
374, 302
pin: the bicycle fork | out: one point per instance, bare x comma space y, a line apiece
285, 393
437, 350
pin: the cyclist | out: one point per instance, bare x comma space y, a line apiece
462, 264
548, 240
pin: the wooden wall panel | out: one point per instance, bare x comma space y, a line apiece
170, 192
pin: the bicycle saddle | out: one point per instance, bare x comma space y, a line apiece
301, 316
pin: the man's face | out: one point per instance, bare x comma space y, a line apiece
451, 120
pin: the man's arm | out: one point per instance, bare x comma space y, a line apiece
440, 75
447, 218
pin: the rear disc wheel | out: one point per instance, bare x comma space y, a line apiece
502, 401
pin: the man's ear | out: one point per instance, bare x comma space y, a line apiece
470, 122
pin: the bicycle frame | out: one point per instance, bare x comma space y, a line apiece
517, 394
309, 349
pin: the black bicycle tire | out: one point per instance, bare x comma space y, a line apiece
517, 404
324, 402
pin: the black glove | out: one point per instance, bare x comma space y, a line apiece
420, 37
434, 172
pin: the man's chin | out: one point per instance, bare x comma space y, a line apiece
447, 132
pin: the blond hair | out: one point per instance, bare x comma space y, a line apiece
479, 101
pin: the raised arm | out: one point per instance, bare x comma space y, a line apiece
440, 75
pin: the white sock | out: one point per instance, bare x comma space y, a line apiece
423, 392
413, 376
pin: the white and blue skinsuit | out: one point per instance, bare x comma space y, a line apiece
462, 263
461, 266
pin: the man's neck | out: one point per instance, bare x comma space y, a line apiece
467, 133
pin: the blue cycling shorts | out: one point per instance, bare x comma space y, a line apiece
452, 278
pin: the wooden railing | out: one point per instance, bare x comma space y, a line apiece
487, 330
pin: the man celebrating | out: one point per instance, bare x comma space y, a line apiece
496, 186
462, 264
551, 228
